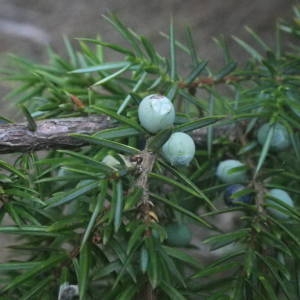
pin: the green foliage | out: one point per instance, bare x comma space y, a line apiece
103, 228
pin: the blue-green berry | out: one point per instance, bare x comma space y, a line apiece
231, 171
156, 112
277, 210
280, 139
231, 199
178, 234
179, 149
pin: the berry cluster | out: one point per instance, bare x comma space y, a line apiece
156, 112
234, 173
276, 199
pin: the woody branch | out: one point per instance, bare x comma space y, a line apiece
57, 133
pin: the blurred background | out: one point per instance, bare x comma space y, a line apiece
27, 27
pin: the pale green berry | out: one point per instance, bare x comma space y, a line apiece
284, 197
156, 112
179, 149
280, 139
226, 171
178, 235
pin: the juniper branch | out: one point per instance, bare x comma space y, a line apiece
56, 133
49, 134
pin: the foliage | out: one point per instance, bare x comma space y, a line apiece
84, 222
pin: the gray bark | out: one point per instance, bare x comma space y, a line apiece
49, 134
56, 133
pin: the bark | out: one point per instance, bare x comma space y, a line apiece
55, 134
49, 134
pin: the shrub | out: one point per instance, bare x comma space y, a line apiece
91, 212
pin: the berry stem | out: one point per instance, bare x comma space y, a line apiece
147, 163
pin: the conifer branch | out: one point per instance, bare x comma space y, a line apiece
49, 134
56, 133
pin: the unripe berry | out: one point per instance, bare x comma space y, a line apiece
280, 139
226, 173
231, 199
284, 197
156, 112
179, 149
178, 235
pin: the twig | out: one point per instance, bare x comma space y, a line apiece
56, 134
148, 160
147, 163
51, 133
146, 212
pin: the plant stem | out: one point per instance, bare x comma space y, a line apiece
50, 133
147, 163
56, 134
